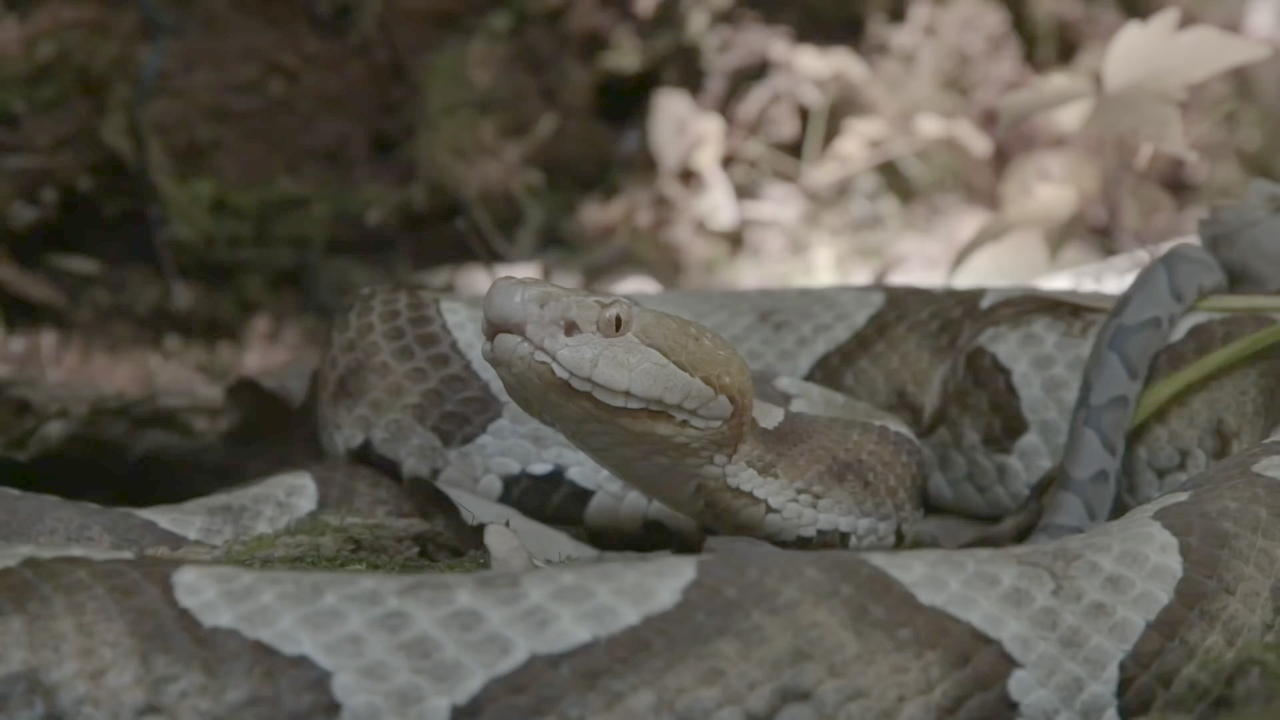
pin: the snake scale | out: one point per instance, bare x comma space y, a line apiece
817, 419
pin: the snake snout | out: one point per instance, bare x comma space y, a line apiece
505, 307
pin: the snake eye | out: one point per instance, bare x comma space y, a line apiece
615, 320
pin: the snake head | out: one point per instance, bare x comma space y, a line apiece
611, 352
622, 382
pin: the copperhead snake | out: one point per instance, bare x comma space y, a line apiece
923, 402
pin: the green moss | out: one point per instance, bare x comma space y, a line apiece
271, 226
208, 213
48, 87
324, 544
58, 67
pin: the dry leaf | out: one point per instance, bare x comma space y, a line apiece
683, 136
769, 108
994, 229
958, 130
74, 263
1148, 67
30, 286
1051, 206
1155, 55
1141, 210
1021, 180
1043, 190
1011, 259
1073, 235
1044, 93
1139, 116
671, 111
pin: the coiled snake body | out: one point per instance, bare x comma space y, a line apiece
814, 418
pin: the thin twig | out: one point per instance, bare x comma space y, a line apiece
158, 29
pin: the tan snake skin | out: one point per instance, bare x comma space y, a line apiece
1132, 617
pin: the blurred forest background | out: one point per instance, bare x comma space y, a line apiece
190, 189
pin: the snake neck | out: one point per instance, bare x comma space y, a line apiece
677, 464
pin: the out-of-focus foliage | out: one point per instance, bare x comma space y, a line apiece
1115, 123
689, 142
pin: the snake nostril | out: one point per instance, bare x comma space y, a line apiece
571, 328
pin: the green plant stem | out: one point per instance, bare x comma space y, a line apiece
1159, 394
1240, 303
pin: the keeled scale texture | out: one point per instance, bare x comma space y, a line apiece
394, 376
412, 645
31, 518
1067, 612
105, 640
1229, 539
262, 507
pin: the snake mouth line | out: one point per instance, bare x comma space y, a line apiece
608, 396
